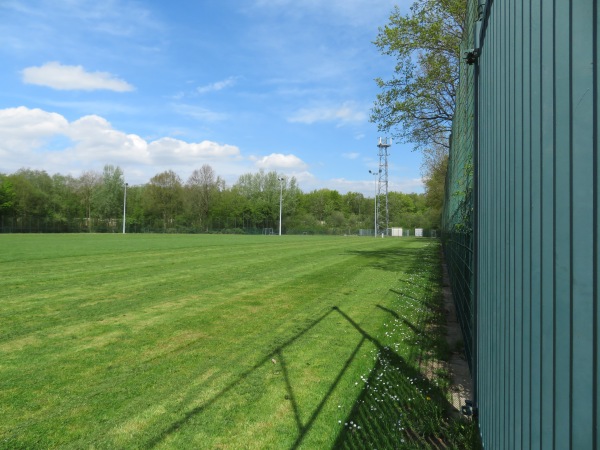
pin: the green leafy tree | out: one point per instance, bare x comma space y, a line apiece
135, 208
353, 202
322, 203
109, 196
291, 197
231, 207
314, 204
33, 190
7, 196
336, 219
262, 190
434, 167
64, 200
163, 197
417, 104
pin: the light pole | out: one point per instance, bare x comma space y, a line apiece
124, 206
375, 174
281, 179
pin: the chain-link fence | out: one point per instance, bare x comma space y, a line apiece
33, 224
457, 217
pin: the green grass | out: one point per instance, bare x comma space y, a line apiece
198, 341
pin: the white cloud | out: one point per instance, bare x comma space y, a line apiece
346, 113
73, 78
29, 138
96, 140
22, 129
198, 113
168, 149
281, 161
351, 155
100, 107
217, 86
406, 185
30, 124
367, 187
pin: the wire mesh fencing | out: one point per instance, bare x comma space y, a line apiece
457, 217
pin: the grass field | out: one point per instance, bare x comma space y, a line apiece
206, 341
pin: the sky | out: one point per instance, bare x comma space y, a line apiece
241, 85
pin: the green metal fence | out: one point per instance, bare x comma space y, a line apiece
533, 253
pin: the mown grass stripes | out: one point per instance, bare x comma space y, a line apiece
149, 341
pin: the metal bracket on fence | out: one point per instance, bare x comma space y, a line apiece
471, 56
469, 410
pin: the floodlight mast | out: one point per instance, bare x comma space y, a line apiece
383, 217
124, 206
281, 180
376, 184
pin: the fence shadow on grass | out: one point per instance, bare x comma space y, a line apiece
389, 311
397, 406
391, 259
303, 428
400, 405
277, 352
377, 428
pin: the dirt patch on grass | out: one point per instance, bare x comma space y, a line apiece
461, 384
451, 372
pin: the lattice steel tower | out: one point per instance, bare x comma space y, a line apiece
383, 214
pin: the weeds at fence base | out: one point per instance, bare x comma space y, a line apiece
404, 400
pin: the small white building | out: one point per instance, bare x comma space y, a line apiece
396, 232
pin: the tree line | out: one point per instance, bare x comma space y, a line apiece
34, 201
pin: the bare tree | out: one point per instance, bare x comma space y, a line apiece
87, 184
202, 186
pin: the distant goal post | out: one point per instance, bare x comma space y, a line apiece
268, 231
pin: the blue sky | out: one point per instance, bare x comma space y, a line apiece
284, 85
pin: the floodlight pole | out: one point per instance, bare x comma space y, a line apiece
124, 206
280, 201
375, 174
382, 189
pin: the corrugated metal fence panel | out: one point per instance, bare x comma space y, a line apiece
537, 226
